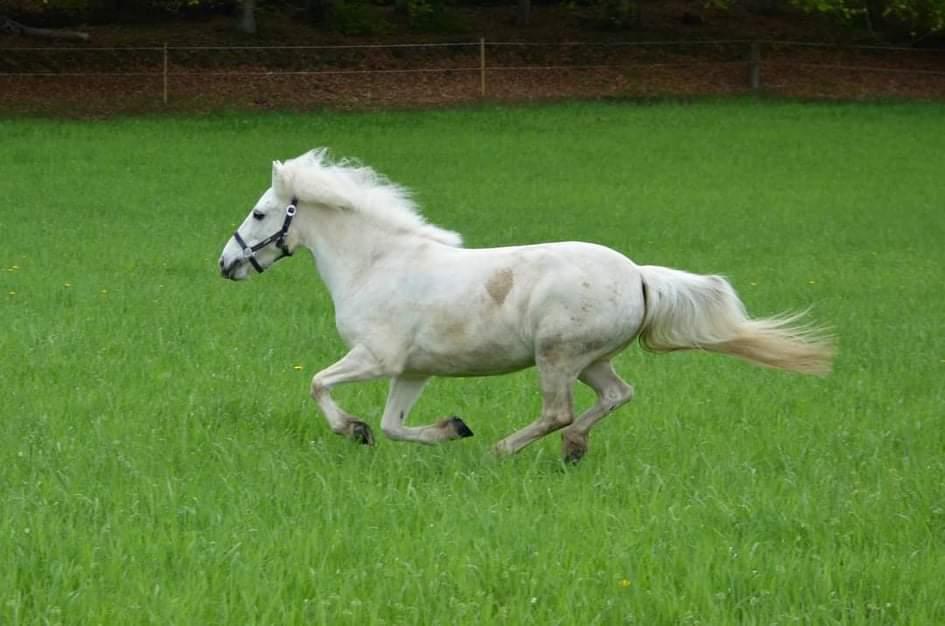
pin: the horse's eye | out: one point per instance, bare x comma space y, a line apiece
258, 215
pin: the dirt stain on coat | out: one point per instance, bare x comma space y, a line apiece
500, 284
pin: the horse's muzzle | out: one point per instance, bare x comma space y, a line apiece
229, 271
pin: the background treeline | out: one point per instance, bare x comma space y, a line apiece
915, 19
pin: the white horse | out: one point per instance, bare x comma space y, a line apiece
411, 303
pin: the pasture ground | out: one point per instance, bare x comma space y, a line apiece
161, 461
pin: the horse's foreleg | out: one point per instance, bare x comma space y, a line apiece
358, 364
612, 392
556, 412
403, 394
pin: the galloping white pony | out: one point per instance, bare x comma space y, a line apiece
412, 303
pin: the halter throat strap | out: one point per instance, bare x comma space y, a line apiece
278, 238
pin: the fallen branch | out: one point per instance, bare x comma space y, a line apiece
15, 28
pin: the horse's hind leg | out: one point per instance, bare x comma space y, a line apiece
557, 410
403, 394
612, 392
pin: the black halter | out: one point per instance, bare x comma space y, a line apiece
249, 252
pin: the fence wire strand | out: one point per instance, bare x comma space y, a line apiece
855, 68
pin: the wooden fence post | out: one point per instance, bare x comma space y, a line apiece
754, 66
482, 67
165, 73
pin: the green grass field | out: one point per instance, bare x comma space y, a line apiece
161, 461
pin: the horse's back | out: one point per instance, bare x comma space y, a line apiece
575, 296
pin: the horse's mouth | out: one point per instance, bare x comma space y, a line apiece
232, 271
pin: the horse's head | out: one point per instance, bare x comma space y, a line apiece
265, 236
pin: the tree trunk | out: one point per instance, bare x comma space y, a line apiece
313, 10
875, 20
524, 12
15, 28
319, 11
246, 21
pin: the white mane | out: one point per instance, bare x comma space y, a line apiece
313, 177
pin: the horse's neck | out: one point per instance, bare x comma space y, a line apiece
345, 246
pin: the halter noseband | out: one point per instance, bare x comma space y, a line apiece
249, 252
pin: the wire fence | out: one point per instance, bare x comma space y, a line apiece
154, 77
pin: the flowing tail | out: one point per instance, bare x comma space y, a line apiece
692, 312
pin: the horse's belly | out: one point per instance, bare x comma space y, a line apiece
464, 350
482, 362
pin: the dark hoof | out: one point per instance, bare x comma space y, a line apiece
361, 433
459, 427
573, 451
573, 457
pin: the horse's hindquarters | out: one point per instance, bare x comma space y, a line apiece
481, 312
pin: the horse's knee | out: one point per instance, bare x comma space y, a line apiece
559, 419
318, 388
391, 431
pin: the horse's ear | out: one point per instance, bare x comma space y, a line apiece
278, 178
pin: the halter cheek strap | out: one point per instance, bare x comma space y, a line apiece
279, 238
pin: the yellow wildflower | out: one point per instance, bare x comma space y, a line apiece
624, 583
